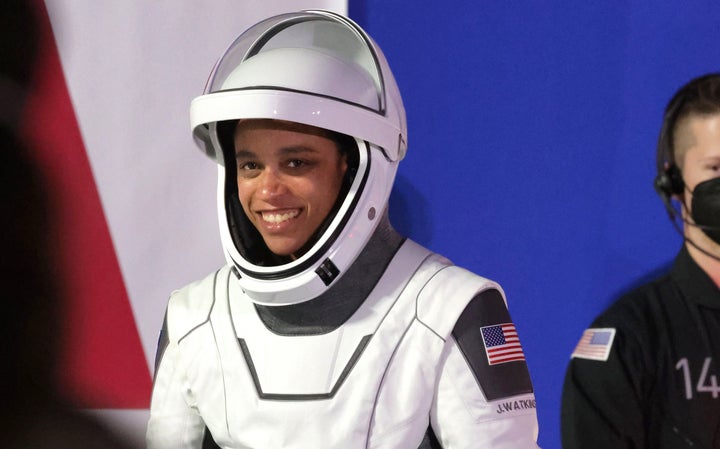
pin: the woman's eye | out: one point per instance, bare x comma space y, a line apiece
247, 166
295, 163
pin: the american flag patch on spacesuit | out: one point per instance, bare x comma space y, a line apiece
595, 344
502, 343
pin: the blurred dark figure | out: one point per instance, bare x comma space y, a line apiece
19, 37
31, 413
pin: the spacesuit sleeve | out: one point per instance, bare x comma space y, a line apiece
602, 399
173, 422
484, 401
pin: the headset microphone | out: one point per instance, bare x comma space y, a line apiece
695, 245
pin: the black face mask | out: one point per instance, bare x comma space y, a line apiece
706, 208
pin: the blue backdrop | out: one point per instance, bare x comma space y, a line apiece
532, 133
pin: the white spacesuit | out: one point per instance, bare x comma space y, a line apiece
366, 340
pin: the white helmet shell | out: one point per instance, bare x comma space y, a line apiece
319, 69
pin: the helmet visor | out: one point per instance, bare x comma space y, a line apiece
312, 53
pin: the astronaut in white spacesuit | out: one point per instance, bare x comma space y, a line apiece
326, 329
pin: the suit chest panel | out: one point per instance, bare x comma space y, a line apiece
283, 391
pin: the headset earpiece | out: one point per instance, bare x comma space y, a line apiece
670, 182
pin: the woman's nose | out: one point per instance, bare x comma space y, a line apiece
271, 183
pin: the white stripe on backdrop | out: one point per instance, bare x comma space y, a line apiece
132, 68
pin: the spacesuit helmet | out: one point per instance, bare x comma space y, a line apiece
315, 68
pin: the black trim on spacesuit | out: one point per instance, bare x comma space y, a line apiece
208, 442
496, 381
163, 342
303, 397
430, 441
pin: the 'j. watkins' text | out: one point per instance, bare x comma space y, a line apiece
511, 406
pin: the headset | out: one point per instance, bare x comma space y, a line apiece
669, 180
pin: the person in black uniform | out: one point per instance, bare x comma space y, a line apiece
645, 374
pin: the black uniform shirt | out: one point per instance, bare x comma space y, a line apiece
660, 385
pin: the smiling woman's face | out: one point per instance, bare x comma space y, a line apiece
288, 177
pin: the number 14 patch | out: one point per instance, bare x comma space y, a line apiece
706, 383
